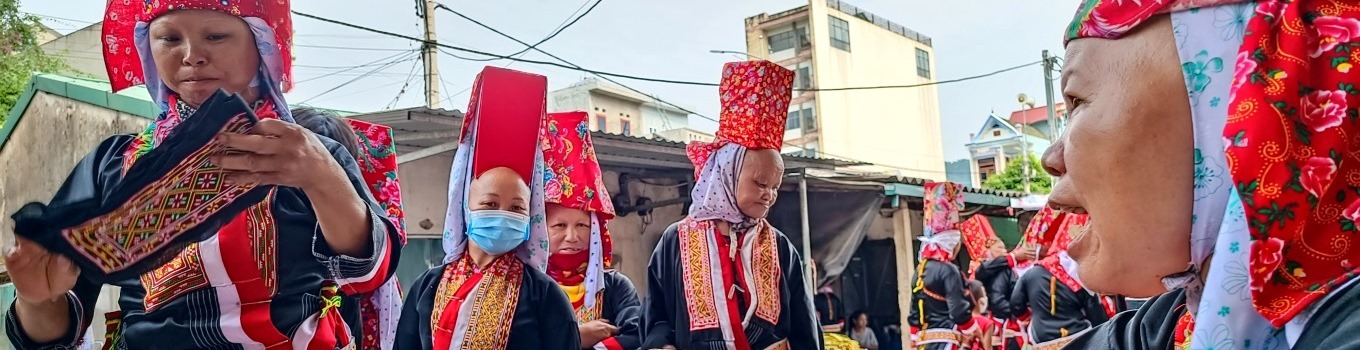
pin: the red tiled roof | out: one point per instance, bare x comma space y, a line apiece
1033, 115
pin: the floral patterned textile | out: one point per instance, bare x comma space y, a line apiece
1043, 228
755, 105
1054, 229
942, 203
125, 19
573, 179
380, 310
1290, 113
977, 236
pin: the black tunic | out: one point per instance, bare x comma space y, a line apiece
666, 318
623, 310
999, 278
942, 299
1153, 326
543, 316
1056, 311
191, 317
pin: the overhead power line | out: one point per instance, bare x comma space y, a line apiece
554, 34
624, 76
606, 75
658, 99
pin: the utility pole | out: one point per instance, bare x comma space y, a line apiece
1048, 91
429, 54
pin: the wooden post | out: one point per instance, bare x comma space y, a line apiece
906, 226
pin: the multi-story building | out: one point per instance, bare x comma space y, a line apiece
830, 44
616, 109
999, 141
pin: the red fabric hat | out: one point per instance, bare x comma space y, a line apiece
123, 62
755, 103
574, 178
378, 163
506, 104
1043, 227
977, 235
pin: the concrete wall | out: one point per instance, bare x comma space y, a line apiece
897, 127
82, 51
573, 98
53, 135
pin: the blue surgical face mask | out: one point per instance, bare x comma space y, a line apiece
497, 231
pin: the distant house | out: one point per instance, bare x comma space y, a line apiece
998, 141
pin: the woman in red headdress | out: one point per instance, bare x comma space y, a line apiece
267, 274
1231, 186
492, 292
578, 210
1048, 294
724, 278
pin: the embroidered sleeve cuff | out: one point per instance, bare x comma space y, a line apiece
612, 343
350, 270
15, 331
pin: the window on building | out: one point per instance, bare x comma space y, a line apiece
793, 123
809, 119
996, 132
782, 41
922, 63
840, 33
601, 123
802, 78
626, 127
986, 167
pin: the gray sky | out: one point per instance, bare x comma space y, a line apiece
642, 38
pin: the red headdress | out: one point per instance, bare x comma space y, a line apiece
124, 17
755, 103
377, 160
500, 129
573, 179
977, 237
378, 163
1293, 68
519, 100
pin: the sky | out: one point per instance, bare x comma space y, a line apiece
669, 40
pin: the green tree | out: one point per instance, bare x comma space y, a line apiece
20, 55
1013, 178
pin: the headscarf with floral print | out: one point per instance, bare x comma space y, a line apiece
942, 203
574, 180
1283, 115
380, 311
